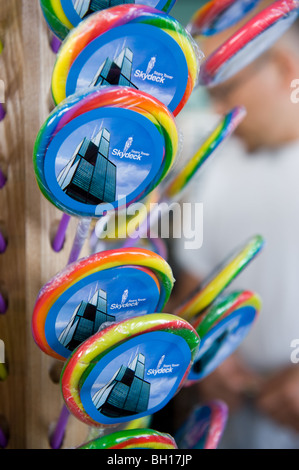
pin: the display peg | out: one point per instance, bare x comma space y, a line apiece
59, 239
55, 44
3, 243
2, 179
3, 305
3, 440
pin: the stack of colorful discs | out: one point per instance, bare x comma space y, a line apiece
104, 50
103, 150
129, 369
104, 288
219, 279
63, 15
222, 329
217, 15
134, 439
223, 307
249, 42
204, 427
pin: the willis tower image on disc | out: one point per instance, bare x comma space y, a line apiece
98, 299
127, 393
130, 369
90, 177
116, 71
103, 160
86, 320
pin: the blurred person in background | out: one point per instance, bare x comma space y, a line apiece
252, 188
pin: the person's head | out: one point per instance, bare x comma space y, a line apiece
264, 88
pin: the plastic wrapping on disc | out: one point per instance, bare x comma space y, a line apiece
134, 439
210, 289
217, 15
249, 42
148, 358
102, 289
104, 50
103, 150
222, 330
178, 183
204, 427
222, 307
64, 15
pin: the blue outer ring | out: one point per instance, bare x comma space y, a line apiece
237, 325
229, 17
164, 337
75, 19
87, 210
50, 323
142, 30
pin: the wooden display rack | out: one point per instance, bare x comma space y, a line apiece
30, 398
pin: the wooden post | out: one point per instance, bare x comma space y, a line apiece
30, 398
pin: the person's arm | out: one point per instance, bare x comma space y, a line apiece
232, 382
279, 397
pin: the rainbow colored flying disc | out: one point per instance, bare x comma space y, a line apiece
63, 15
220, 134
104, 50
204, 427
103, 150
231, 320
224, 306
217, 15
249, 42
134, 439
104, 288
129, 370
219, 279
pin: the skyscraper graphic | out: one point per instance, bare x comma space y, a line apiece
127, 393
89, 176
86, 320
86, 7
117, 71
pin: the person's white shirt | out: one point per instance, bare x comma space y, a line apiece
244, 195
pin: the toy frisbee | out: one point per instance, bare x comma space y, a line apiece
104, 50
217, 15
104, 288
225, 335
249, 42
103, 150
134, 439
220, 134
224, 306
219, 279
204, 427
128, 370
64, 15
